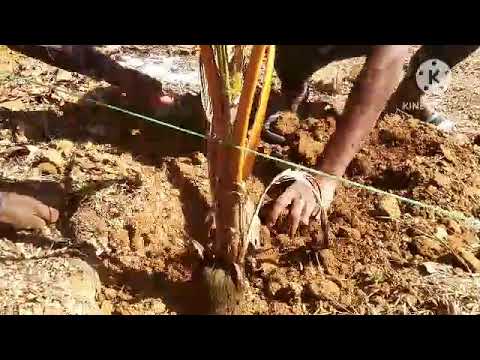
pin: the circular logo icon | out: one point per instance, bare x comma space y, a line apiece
433, 76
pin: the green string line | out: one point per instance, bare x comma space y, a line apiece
469, 221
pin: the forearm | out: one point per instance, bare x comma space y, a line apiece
86, 60
367, 100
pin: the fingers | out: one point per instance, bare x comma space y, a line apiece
281, 204
30, 222
296, 213
307, 212
45, 212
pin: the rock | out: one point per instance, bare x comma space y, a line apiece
388, 206
460, 139
411, 300
324, 290
355, 234
54, 157
448, 154
428, 247
442, 180
346, 299
472, 262
47, 168
453, 227
65, 147
441, 233
63, 75
433, 267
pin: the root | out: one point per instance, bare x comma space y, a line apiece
222, 288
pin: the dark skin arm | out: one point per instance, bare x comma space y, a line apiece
374, 87
87, 60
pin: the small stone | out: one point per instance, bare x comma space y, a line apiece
411, 300
428, 247
388, 206
442, 180
65, 146
14, 105
355, 234
441, 233
63, 75
54, 157
448, 154
461, 139
328, 261
47, 168
472, 262
324, 289
358, 268
453, 227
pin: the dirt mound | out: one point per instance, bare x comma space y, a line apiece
375, 238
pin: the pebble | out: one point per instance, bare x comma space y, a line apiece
324, 289
388, 206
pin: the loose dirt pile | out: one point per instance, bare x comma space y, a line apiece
132, 195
